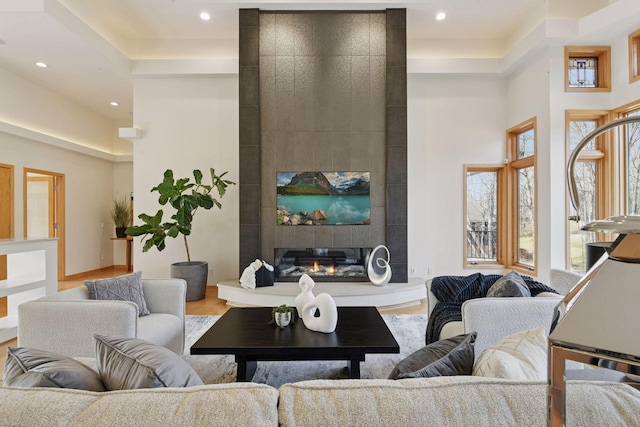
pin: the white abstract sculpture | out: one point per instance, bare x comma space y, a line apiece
328, 318
306, 284
382, 277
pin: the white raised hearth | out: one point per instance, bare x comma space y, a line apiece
345, 294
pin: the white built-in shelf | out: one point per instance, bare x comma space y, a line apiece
32, 266
345, 294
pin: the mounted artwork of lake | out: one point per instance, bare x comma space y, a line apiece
323, 198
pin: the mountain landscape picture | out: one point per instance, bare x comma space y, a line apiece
323, 198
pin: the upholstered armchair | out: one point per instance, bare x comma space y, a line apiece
65, 322
495, 318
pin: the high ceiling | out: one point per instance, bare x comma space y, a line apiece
91, 46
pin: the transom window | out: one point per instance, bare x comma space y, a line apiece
587, 68
583, 72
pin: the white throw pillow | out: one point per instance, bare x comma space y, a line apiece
521, 356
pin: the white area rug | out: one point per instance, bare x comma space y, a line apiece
408, 329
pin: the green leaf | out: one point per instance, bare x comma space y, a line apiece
173, 231
206, 202
197, 175
168, 177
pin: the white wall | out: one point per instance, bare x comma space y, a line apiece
29, 106
29, 109
188, 123
89, 185
452, 121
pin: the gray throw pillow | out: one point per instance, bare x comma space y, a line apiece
121, 288
130, 363
509, 285
28, 367
451, 356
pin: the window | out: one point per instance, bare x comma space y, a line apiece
583, 72
521, 151
634, 56
589, 172
631, 135
587, 68
483, 207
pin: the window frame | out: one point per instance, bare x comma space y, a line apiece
514, 165
634, 56
603, 54
605, 163
501, 216
621, 157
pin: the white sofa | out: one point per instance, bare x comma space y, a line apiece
442, 401
65, 322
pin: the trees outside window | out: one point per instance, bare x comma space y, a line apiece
483, 207
632, 151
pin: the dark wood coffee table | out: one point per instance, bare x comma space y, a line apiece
247, 334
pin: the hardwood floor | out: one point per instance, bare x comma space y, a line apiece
209, 305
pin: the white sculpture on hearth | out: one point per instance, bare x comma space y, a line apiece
306, 284
380, 272
327, 320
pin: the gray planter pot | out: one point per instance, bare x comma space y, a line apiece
195, 274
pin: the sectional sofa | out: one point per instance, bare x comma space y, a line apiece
441, 401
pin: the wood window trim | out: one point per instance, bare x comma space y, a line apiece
603, 53
621, 155
603, 154
511, 224
634, 56
501, 241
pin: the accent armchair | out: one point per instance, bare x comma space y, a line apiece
495, 318
65, 322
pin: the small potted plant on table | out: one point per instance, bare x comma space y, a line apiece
282, 315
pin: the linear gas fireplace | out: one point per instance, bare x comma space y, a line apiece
322, 264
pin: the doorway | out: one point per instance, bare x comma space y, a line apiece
44, 209
6, 222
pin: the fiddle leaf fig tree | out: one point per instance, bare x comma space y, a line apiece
186, 197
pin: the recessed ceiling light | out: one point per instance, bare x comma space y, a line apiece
41, 64
205, 16
114, 103
440, 16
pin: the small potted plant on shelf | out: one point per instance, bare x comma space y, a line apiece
121, 215
282, 315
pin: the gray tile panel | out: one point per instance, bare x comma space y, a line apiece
334, 98
285, 33
249, 133
250, 173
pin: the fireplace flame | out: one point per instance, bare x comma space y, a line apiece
315, 266
331, 270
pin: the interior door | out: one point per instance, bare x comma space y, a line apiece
6, 221
44, 209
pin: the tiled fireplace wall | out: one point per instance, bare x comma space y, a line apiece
323, 91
